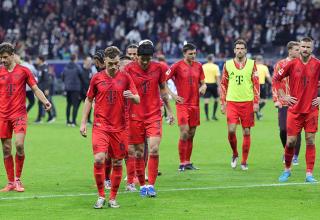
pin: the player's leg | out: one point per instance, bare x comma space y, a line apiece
68, 107
130, 165
75, 103
8, 164
310, 156
153, 163
108, 167
311, 127
100, 142
215, 101
140, 168
288, 155
183, 145
233, 144
31, 100
245, 147
188, 164
206, 107
295, 160
19, 160
40, 112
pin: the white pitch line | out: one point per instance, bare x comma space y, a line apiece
162, 190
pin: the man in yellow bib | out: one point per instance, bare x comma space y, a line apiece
264, 75
239, 97
212, 74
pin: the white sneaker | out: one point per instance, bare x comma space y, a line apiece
234, 162
107, 184
100, 203
113, 204
146, 177
244, 167
131, 187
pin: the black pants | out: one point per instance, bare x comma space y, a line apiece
31, 100
42, 112
73, 100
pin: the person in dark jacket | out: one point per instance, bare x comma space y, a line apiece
43, 84
72, 78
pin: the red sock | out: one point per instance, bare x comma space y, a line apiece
153, 169
8, 164
140, 170
19, 165
189, 150
99, 176
130, 169
115, 181
245, 148
107, 168
233, 143
310, 157
183, 145
288, 155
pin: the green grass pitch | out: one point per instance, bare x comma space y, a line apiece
58, 177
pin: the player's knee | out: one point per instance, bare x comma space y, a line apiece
117, 162
154, 150
291, 143
184, 135
139, 154
20, 147
309, 140
99, 159
246, 132
6, 150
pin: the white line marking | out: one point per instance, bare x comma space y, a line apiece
162, 190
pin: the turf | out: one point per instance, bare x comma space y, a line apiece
59, 181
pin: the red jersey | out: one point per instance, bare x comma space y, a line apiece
13, 91
225, 81
109, 108
147, 83
303, 83
284, 82
187, 79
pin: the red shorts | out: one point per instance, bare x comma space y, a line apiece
18, 125
240, 112
297, 121
115, 144
188, 115
140, 130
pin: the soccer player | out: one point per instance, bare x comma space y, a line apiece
239, 99
132, 52
303, 73
281, 105
109, 88
145, 119
212, 74
13, 113
264, 75
188, 77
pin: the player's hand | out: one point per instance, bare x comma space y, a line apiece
171, 118
278, 104
47, 106
255, 107
83, 129
178, 99
316, 101
128, 94
202, 89
289, 99
223, 108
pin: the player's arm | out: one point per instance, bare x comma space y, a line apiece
275, 97
256, 88
170, 74
40, 95
165, 98
203, 86
131, 92
280, 74
223, 89
268, 76
85, 113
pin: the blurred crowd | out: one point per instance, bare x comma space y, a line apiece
57, 29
